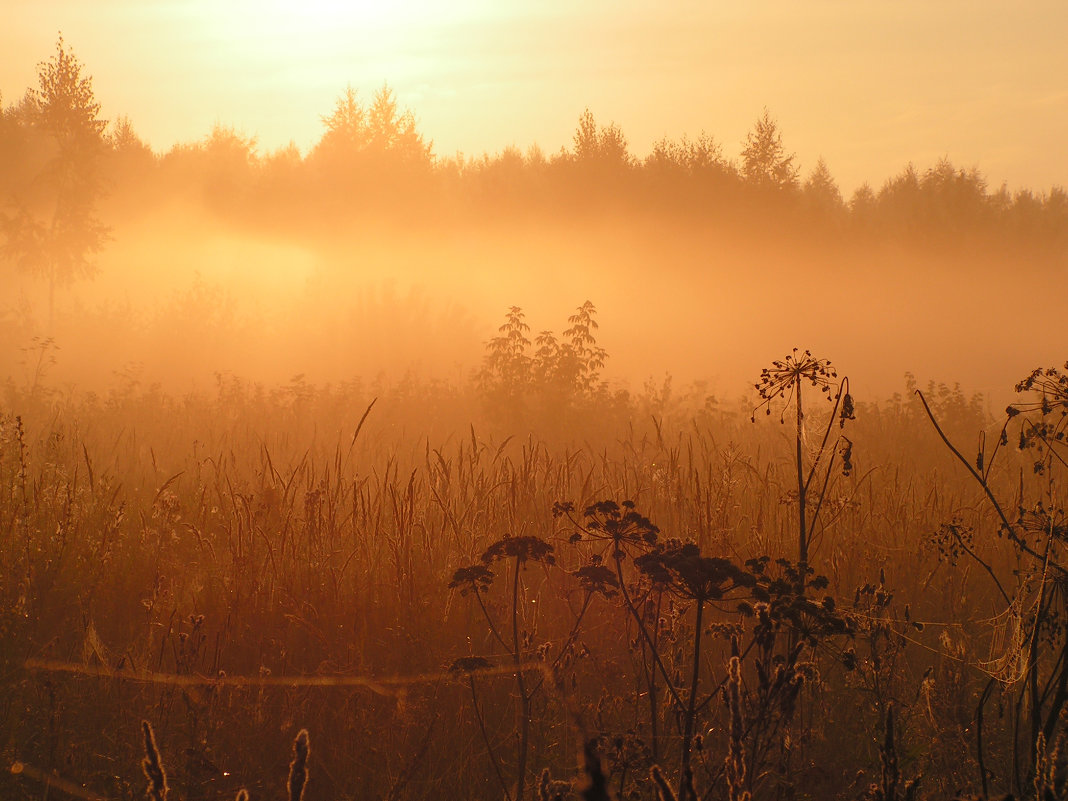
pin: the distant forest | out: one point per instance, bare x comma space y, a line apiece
372, 160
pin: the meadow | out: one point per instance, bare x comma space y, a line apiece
455, 589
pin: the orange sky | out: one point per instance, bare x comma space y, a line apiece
869, 85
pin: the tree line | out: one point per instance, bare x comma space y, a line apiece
62, 165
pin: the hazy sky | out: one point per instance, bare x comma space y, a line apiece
868, 84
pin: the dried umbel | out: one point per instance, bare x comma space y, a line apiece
473, 578
597, 579
524, 549
787, 376
619, 525
1042, 417
549, 790
686, 572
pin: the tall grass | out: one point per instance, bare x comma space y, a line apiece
232, 566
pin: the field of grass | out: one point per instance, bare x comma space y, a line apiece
455, 593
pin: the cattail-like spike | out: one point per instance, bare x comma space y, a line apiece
663, 789
298, 768
152, 766
735, 768
544, 784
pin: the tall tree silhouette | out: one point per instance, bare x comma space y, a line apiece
821, 190
54, 230
765, 161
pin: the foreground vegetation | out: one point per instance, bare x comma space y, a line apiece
458, 590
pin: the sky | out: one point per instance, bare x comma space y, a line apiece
869, 85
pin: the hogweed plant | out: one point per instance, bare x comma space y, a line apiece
476, 580
707, 586
784, 382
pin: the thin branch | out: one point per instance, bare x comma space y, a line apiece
1007, 526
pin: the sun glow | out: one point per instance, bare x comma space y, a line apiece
321, 45
335, 20
320, 16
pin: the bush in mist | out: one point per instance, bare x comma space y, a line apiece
551, 377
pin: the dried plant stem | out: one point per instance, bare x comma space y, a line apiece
691, 714
802, 541
1007, 527
524, 698
645, 633
486, 739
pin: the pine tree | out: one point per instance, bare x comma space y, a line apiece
54, 231
765, 161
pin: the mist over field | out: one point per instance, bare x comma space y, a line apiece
673, 472
209, 278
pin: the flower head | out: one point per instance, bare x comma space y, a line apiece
687, 573
786, 376
621, 525
524, 549
597, 578
475, 578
